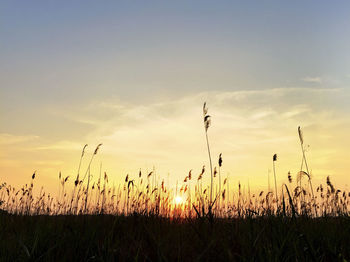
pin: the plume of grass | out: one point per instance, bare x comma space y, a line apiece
207, 122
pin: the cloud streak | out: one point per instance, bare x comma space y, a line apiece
315, 80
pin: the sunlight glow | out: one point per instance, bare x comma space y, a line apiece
178, 200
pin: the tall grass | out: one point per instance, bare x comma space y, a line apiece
139, 195
207, 122
148, 194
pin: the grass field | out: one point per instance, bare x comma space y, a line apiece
140, 238
144, 219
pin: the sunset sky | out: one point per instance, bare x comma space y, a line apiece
133, 75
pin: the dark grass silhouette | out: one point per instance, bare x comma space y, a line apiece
153, 238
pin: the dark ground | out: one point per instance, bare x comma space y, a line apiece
138, 238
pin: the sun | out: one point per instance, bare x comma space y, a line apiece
178, 200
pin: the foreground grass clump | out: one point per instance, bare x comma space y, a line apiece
147, 238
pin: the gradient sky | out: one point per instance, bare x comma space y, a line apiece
133, 75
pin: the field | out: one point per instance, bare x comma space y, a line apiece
141, 238
146, 219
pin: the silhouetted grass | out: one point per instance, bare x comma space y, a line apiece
141, 219
151, 238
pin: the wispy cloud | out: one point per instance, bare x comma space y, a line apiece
316, 80
10, 139
257, 122
60, 145
247, 126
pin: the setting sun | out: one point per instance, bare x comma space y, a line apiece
179, 200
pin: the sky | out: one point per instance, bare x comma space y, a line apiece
133, 75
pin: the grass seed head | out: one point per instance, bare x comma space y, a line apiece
274, 158
97, 148
83, 151
300, 135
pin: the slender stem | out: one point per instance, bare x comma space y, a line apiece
87, 190
219, 190
75, 186
87, 170
228, 194
301, 169
274, 173
307, 169
211, 170
99, 188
